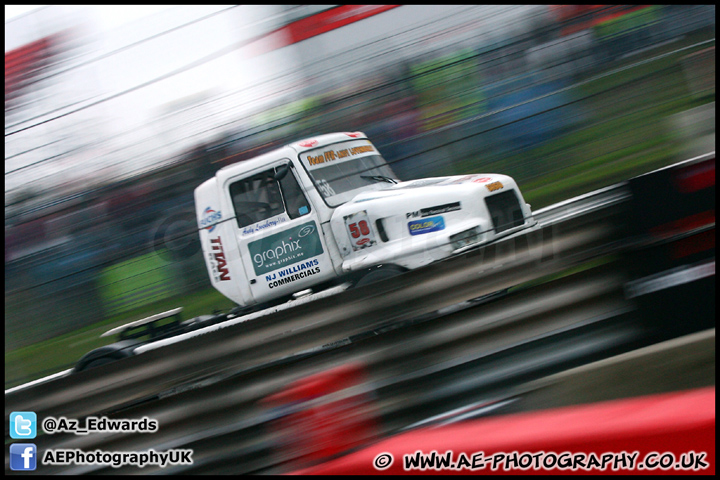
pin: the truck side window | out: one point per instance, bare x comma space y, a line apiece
256, 198
295, 200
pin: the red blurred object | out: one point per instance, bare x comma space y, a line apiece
23, 65
331, 19
696, 177
684, 225
322, 421
677, 422
701, 242
315, 25
308, 143
576, 18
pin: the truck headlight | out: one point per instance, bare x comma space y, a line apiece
465, 238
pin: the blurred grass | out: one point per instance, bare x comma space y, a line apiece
60, 353
625, 132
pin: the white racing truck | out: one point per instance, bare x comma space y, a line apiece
316, 216
329, 209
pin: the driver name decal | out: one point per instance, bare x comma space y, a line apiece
258, 227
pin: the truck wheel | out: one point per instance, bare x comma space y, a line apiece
380, 274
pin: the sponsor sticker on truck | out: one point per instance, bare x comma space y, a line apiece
220, 269
494, 186
436, 210
432, 224
282, 249
359, 231
210, 219
337, 153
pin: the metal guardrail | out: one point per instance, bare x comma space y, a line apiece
417, 371
547, 216
485, 270
203, 391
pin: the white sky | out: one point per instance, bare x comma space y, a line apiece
135, 112
12, 11
152, 78
107, 16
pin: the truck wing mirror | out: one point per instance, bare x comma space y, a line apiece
280, 172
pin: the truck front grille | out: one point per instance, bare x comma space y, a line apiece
504, 210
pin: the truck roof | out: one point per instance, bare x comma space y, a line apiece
326, 139
289, 151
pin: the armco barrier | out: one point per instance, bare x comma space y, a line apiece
552, 326
671, 221
676, 422
546, 251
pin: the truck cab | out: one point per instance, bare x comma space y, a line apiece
329, 208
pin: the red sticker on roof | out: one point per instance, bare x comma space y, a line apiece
353, 135
482, 180
308, 143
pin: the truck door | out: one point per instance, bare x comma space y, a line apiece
278, 232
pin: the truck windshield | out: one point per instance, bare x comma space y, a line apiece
342, 170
